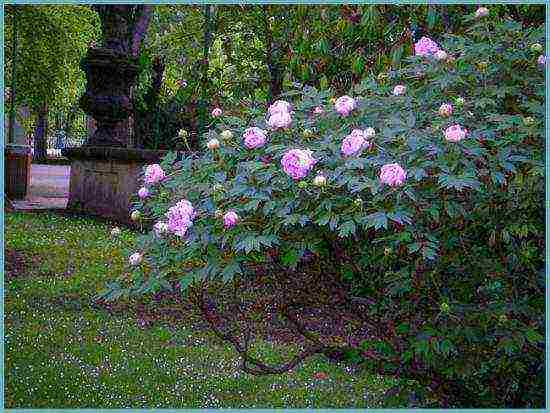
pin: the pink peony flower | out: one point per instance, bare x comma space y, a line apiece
230, 219
541, 60
143, 192
455, 133
279, 106
254, 137
216, 112
399, 90
446, 110
280, 120
318, 110
344, 105
425, 47
297, 163
354, 142
180, 217
392, 174
153, 174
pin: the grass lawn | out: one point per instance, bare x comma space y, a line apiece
61, 351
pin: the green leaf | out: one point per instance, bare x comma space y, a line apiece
347, 228
290, 258
533, 336
230, 270
377, 220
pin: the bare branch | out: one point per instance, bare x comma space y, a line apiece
249, 364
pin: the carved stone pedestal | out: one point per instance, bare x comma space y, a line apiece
105, 180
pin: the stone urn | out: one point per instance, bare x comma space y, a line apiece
110, 75
106, 172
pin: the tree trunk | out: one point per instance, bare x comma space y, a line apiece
40, 133
144, 126
139, 31
272, 60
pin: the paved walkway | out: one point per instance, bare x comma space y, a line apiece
49, 188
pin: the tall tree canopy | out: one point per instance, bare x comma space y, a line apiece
51, 40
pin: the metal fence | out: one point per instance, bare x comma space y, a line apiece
55, 143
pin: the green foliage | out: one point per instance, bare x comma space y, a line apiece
51, 42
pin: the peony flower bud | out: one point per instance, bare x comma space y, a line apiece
319, 180
230, 219
217, 112
160, 228
441, 55
446, 110
482, 12
115, 232
399, 90
213, 144
183, 133
459, 101
369, 133
218, 213
528, 121
135, 215
226, 135
143, 193
536, 47
135, 259
318, 110
444, 307
358, 202
482, 66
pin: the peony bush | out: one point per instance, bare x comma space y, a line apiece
400, 182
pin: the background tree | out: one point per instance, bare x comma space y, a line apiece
51, 42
